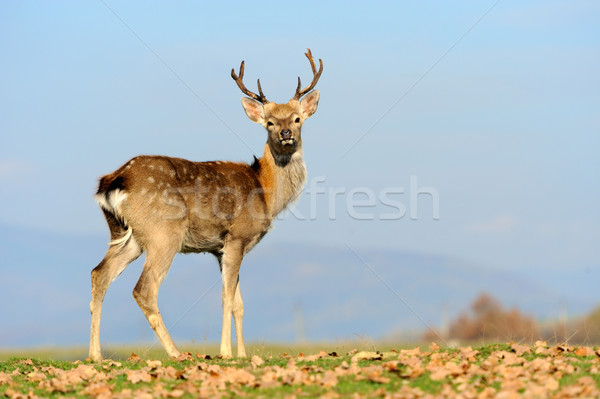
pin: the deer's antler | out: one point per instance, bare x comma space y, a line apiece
316, 76
239, 80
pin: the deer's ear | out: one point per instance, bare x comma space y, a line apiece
254, 110
309, 103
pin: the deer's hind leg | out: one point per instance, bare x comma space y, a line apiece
115, 261
160, 254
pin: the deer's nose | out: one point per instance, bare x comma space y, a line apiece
286, 134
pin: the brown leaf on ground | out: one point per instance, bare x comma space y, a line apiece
434, 347
184, 356
98, 390
391, 365
143, 393
329, 379
111, 364
508, 358
237, 376
468, 353
366, 356
414, 367
374, 374
520, 349
153, 364
36, 376
5, 379
256, 361
134, 358
135, 376
168, 373
312, 358
585, 351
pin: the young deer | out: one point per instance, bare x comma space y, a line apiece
165, 205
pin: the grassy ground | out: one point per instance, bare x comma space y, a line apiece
497, 370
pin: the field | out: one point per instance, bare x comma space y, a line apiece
497, 370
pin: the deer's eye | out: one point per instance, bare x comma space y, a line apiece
297, 120
269, 123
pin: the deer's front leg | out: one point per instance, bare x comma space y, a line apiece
230, 269
238, 315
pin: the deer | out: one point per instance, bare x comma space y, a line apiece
163, 206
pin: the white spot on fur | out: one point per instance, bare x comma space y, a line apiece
151, 179
144, 191
151, 166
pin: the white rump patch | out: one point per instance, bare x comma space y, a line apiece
111, 200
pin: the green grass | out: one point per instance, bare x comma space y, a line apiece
31, 373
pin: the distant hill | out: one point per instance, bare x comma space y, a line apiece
290, 291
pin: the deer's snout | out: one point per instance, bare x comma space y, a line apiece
286, 134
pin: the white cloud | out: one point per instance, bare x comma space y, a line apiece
500, 224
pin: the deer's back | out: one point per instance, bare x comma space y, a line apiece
197, 204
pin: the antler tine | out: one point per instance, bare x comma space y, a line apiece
260, 92
316, 76
240, 83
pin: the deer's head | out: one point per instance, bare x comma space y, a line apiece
282, 121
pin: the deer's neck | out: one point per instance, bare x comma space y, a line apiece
282, 178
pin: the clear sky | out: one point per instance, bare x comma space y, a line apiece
492, 106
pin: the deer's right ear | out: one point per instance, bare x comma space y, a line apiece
254, 109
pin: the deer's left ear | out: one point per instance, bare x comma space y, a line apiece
309, 103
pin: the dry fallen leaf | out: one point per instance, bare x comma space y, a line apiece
136, 376
36, 376
329, 379
98, 390
256, 361
153, 364
468, 353
184, 356
5, 378
520, 349
363, 355
585, 351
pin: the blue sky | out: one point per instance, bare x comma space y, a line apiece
504, 127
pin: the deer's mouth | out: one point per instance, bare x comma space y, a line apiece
291, 141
